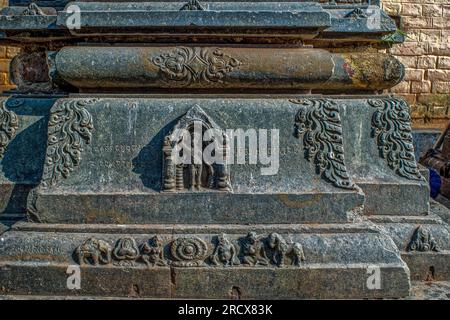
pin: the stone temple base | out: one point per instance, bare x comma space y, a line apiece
336, 261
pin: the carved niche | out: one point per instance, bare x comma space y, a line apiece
9, 123
197, 174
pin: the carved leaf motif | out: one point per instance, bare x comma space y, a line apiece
391, 127
190, 65
9, 123
319, 123
69, 129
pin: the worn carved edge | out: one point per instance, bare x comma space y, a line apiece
70, 128
9, 123
391, 128
422, 241
318, 122
191, 251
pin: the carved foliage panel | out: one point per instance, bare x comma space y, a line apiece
9, 123
318, 123
69, 130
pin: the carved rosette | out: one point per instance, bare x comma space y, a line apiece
319, 124
69, 129
190, 65
9, 123
188, 252
391, 127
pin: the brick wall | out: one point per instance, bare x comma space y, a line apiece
6, 54
426, 56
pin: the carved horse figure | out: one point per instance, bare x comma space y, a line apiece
98, 251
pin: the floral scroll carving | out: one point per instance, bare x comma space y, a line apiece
391, 127
70, 128
9, 123
193, 65
318, 122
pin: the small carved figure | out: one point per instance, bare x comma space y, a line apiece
281, 249
253, 251
126, 251
422, 240
224, 253
152, 252
98, 251
297, 254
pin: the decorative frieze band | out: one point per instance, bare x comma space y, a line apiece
191, 251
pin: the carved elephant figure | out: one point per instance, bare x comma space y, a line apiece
98, 251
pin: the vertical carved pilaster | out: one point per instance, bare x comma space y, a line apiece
9, 123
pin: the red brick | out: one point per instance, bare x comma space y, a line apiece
420, 86
441, 87
402, 87
408, 61
439, 75
410, 49
426, 62
4, 65
433, 10
443, 63
411, 9
413, 74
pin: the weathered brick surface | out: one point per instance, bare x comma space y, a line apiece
426, 56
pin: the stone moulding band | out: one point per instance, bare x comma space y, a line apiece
9, 123
318, 122
391, 128
202, 67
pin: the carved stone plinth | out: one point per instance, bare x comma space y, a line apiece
208, 149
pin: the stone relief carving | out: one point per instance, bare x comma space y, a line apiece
224, 253
319, 123
189, 65
94, 251
191, 251
33, 10
422, 241
391, 127
9, 123
394, 70
357, 13
192, 5
69, 129
188, 252
152, 252
280, 249
198, 175
253, 251
126, 251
